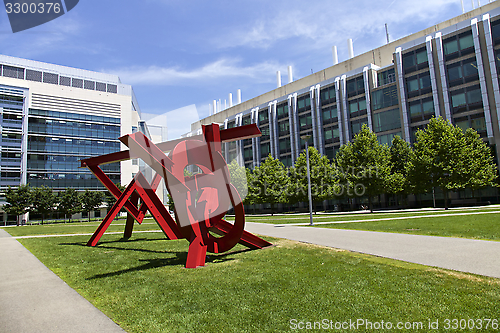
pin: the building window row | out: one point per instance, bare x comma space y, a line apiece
355, 86
384, 98
459, 45
386, 120
466, 99
52, 78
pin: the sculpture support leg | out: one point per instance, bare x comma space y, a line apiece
129, 226
196, 254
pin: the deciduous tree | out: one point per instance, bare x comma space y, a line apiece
441, 158
269, 182
364, 165
322, 177
43, 201
69, 202
91, 200
18, 201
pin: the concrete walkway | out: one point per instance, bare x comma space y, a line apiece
33, 299
466, 255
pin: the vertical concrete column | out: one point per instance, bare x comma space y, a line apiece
442, 71
278, 79
367, 97
399, 64
275, 130
482, 78
345, 109
239, 96
432, 71
291, 125
239, 144
492, 61
271, 128
296, 126
230, 100
24, 142
256, 141
339, 110
319, 121
312, 94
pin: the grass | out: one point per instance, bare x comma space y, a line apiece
304, 218
485, 226
76, 228
141, 284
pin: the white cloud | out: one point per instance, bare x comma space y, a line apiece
221, 69
330, 22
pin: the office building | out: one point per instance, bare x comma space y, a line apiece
51, 117
449, 70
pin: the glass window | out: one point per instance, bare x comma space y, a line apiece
387, 120
353, 106
421, 57
474, 96
454, 73
351, 86
470, 68
458, 99
415, 110
412, 85
428, 107
362, 104
479, 124
450, 47
466, 42
386, 77
408, 60
425, 81
328, 134
325, 95
301, 103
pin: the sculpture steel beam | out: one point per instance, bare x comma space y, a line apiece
201, 201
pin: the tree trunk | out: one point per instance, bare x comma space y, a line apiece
89, 216
272, 209
42, 218
370, 204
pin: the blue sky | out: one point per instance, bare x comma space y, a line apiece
178, 53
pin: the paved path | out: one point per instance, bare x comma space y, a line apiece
33, 299
466, 255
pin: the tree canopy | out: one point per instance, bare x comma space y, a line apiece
322, 177
364, 165
43, 201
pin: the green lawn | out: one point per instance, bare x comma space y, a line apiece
77, 228
304, 218
485, 226
142, 285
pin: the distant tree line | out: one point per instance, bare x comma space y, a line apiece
44, 201
443, 156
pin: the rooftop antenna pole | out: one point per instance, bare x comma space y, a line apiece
473, 4
463, 8
387, 33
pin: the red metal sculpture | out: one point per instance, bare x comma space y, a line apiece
201, 201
